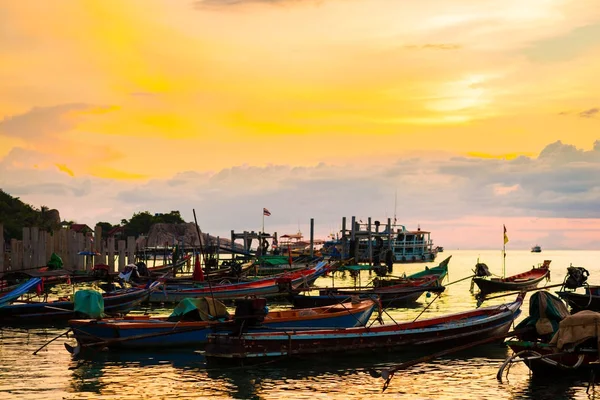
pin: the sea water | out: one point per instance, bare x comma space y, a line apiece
183, 374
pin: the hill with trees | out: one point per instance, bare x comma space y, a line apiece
15, 215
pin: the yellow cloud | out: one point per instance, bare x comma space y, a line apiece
111, 173
507, 156
65, 169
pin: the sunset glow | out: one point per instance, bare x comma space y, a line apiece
470, 111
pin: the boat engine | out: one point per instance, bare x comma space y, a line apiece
249, 313
576, 277
482, 269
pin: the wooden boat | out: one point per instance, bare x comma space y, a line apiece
590, 300
6, 297
457, 328
545, 360
573, 349
523, 281
162, 332
438, 272
60, 311
173, 267
267, 287
391, 296
392, 292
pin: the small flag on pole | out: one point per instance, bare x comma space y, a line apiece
505, 237
266, 212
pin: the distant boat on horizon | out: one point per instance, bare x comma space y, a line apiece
536, 249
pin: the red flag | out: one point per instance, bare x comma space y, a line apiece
266, 212
198, 274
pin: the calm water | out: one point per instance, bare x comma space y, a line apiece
52, 374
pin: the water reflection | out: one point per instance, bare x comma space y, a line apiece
470, 374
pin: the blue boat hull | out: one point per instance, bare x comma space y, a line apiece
171, 335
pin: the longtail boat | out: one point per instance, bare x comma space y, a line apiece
168, 332
590, 300
393, 292
523, 281
455, 329
551, 341
17, 291
60, 311
267, 287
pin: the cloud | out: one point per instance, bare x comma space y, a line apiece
225, 3
561, 182
65, 169
434, 46
48, 121
590, 113
40, 121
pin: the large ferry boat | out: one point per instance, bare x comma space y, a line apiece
377, 243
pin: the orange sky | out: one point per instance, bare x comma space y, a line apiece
131, 96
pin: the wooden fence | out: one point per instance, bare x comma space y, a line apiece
37, 246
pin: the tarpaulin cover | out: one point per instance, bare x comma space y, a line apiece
90, 303
208, 309
577, 328
545, 313
55, 261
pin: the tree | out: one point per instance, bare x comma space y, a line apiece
106, 227
139, 224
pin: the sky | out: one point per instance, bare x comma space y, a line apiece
455, 116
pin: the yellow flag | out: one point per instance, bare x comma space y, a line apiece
505, 237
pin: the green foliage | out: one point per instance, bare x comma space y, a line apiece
14, 215
140, 223
106, 227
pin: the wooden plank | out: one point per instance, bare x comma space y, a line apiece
41, 259
121, 244
61, 246
97, 245
26, 251
35, 238
131, 249
14, 255
88, 261
110, 244
72, 249
80, 245
50, 240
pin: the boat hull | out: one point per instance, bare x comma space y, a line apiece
454, 329
161, 334
578, 301
59, 312
487, 286
554, 363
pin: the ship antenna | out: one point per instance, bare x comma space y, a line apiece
395, 203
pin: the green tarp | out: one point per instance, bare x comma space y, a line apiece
90, 303
545, 313
55, 261
203, 308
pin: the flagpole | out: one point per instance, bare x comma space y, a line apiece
504, 251
263, 226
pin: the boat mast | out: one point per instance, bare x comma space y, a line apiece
504, 241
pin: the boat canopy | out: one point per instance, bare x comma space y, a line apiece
576, 329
